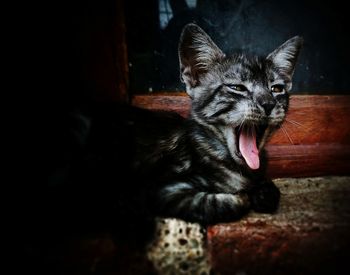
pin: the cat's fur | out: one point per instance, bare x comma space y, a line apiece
139, 164
213, 181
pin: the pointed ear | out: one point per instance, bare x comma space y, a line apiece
196, 53
285, 56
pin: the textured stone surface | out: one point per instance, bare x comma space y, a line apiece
309, 234
179, 248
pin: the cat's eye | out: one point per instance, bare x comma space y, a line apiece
277, 89
238, 88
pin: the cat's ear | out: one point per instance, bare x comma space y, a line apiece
197, 52
285, 56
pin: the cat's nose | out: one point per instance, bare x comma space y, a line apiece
268, 106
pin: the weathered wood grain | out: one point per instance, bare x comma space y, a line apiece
308, 160
314, 140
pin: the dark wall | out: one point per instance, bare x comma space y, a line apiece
81, 41
247, 25
81, 49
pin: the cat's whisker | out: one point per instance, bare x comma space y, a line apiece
241, 124
287, 135
245, 114
295, 123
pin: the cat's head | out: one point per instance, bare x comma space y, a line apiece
246, 97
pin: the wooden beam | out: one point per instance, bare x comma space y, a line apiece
316, 119
314, 141
308, 160
177, 102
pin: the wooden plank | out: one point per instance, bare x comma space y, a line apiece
316, 119
308, 160
177, 102
311, 119
314, 141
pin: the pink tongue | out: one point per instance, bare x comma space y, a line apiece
247, 146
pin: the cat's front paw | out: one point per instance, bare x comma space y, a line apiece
265, 197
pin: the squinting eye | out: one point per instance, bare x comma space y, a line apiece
238, 88
277, 89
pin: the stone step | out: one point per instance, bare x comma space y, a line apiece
310, 234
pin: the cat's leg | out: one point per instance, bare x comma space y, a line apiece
264, 197
183, 200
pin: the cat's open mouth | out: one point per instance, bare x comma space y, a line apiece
248, 138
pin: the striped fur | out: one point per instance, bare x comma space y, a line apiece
212, 182
139, 163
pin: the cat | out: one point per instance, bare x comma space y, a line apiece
130, 165
238, 101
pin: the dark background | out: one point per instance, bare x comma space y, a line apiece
74, 55
242, 25
81, 47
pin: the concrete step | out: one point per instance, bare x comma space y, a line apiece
310, 234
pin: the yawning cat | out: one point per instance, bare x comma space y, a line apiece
208, 168
238, 101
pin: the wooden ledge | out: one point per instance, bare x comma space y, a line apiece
314, 141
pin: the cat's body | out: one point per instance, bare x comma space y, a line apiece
208, 168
